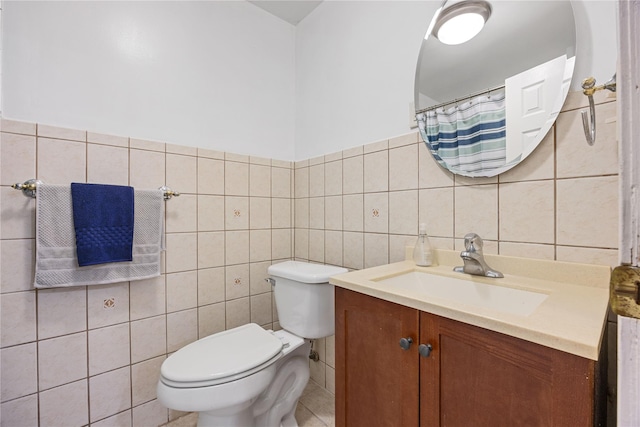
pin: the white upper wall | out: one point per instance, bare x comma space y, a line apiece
355, 67
218, 74
228, 76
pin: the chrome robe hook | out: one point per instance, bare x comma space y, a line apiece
589, 88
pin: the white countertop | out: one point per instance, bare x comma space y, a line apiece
570, 319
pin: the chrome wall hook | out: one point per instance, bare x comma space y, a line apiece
589, 88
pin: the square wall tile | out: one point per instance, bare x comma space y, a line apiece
330, 350
182, 291
113, 140
352, 212
301, 182
211, 285
376, 249
182, 173
574, 159
316, 180
301, 243
259, 181
18, 215
236, 179
398, 244
436, 211
148, 338
376, 212
123, 419
527, 212
20, 255
353, 175
407, 139
316, 213
376, 172
236, 213
261, 312
236, 247
18, 371
353, 252
109, 393
403, 212
147, 298
333, 247
182, 251
316, 246
182, 329
257, 276
476, 211
403, 168
236, 281
260, 245
181, 215
109, 348
107, 304
61, 311
62, 360
18, 162
527, 250
65, 406
211, 319
62, 133
20, 412
281, 244
181, 149
430, 173
238, 312
260, 212
147, 169
281, 213
211, 249
115, 171
210, 176
141, 144
333, 178
540, 164
17, 318
210, 213
150, 414
61, 162
333, 212
144, 380
588, 221
280, 182
16, 126
587, 255
301, 219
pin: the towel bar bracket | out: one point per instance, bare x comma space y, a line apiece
29, 187
589, 118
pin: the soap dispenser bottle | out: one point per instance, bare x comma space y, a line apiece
422, 249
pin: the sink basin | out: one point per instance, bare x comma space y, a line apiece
495, 297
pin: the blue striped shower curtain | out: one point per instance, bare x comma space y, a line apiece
468, 138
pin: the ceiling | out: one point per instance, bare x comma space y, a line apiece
292, 11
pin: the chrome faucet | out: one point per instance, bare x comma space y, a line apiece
473, 258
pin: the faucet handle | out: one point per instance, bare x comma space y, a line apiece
473, 242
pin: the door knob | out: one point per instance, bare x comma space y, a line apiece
424, 350
405, 343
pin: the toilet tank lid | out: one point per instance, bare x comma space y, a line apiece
305, 272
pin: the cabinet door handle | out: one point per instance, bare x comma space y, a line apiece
405, 343
425, 350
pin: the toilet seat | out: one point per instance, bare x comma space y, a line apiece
223, 357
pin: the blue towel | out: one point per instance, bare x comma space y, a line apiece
103, 222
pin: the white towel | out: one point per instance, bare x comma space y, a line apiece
56, 260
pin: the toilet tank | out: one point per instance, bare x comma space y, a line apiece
304, 297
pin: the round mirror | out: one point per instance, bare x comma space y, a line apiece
485, 104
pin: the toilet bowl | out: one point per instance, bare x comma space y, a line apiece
249, 376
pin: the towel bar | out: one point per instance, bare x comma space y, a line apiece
28, 188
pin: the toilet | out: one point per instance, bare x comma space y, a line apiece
249, 376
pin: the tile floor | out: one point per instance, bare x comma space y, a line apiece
316, 408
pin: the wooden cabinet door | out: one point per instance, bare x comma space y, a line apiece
377, 381
484, 378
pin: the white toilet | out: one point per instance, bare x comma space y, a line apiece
248, 376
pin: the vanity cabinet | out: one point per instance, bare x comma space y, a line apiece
470, 377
